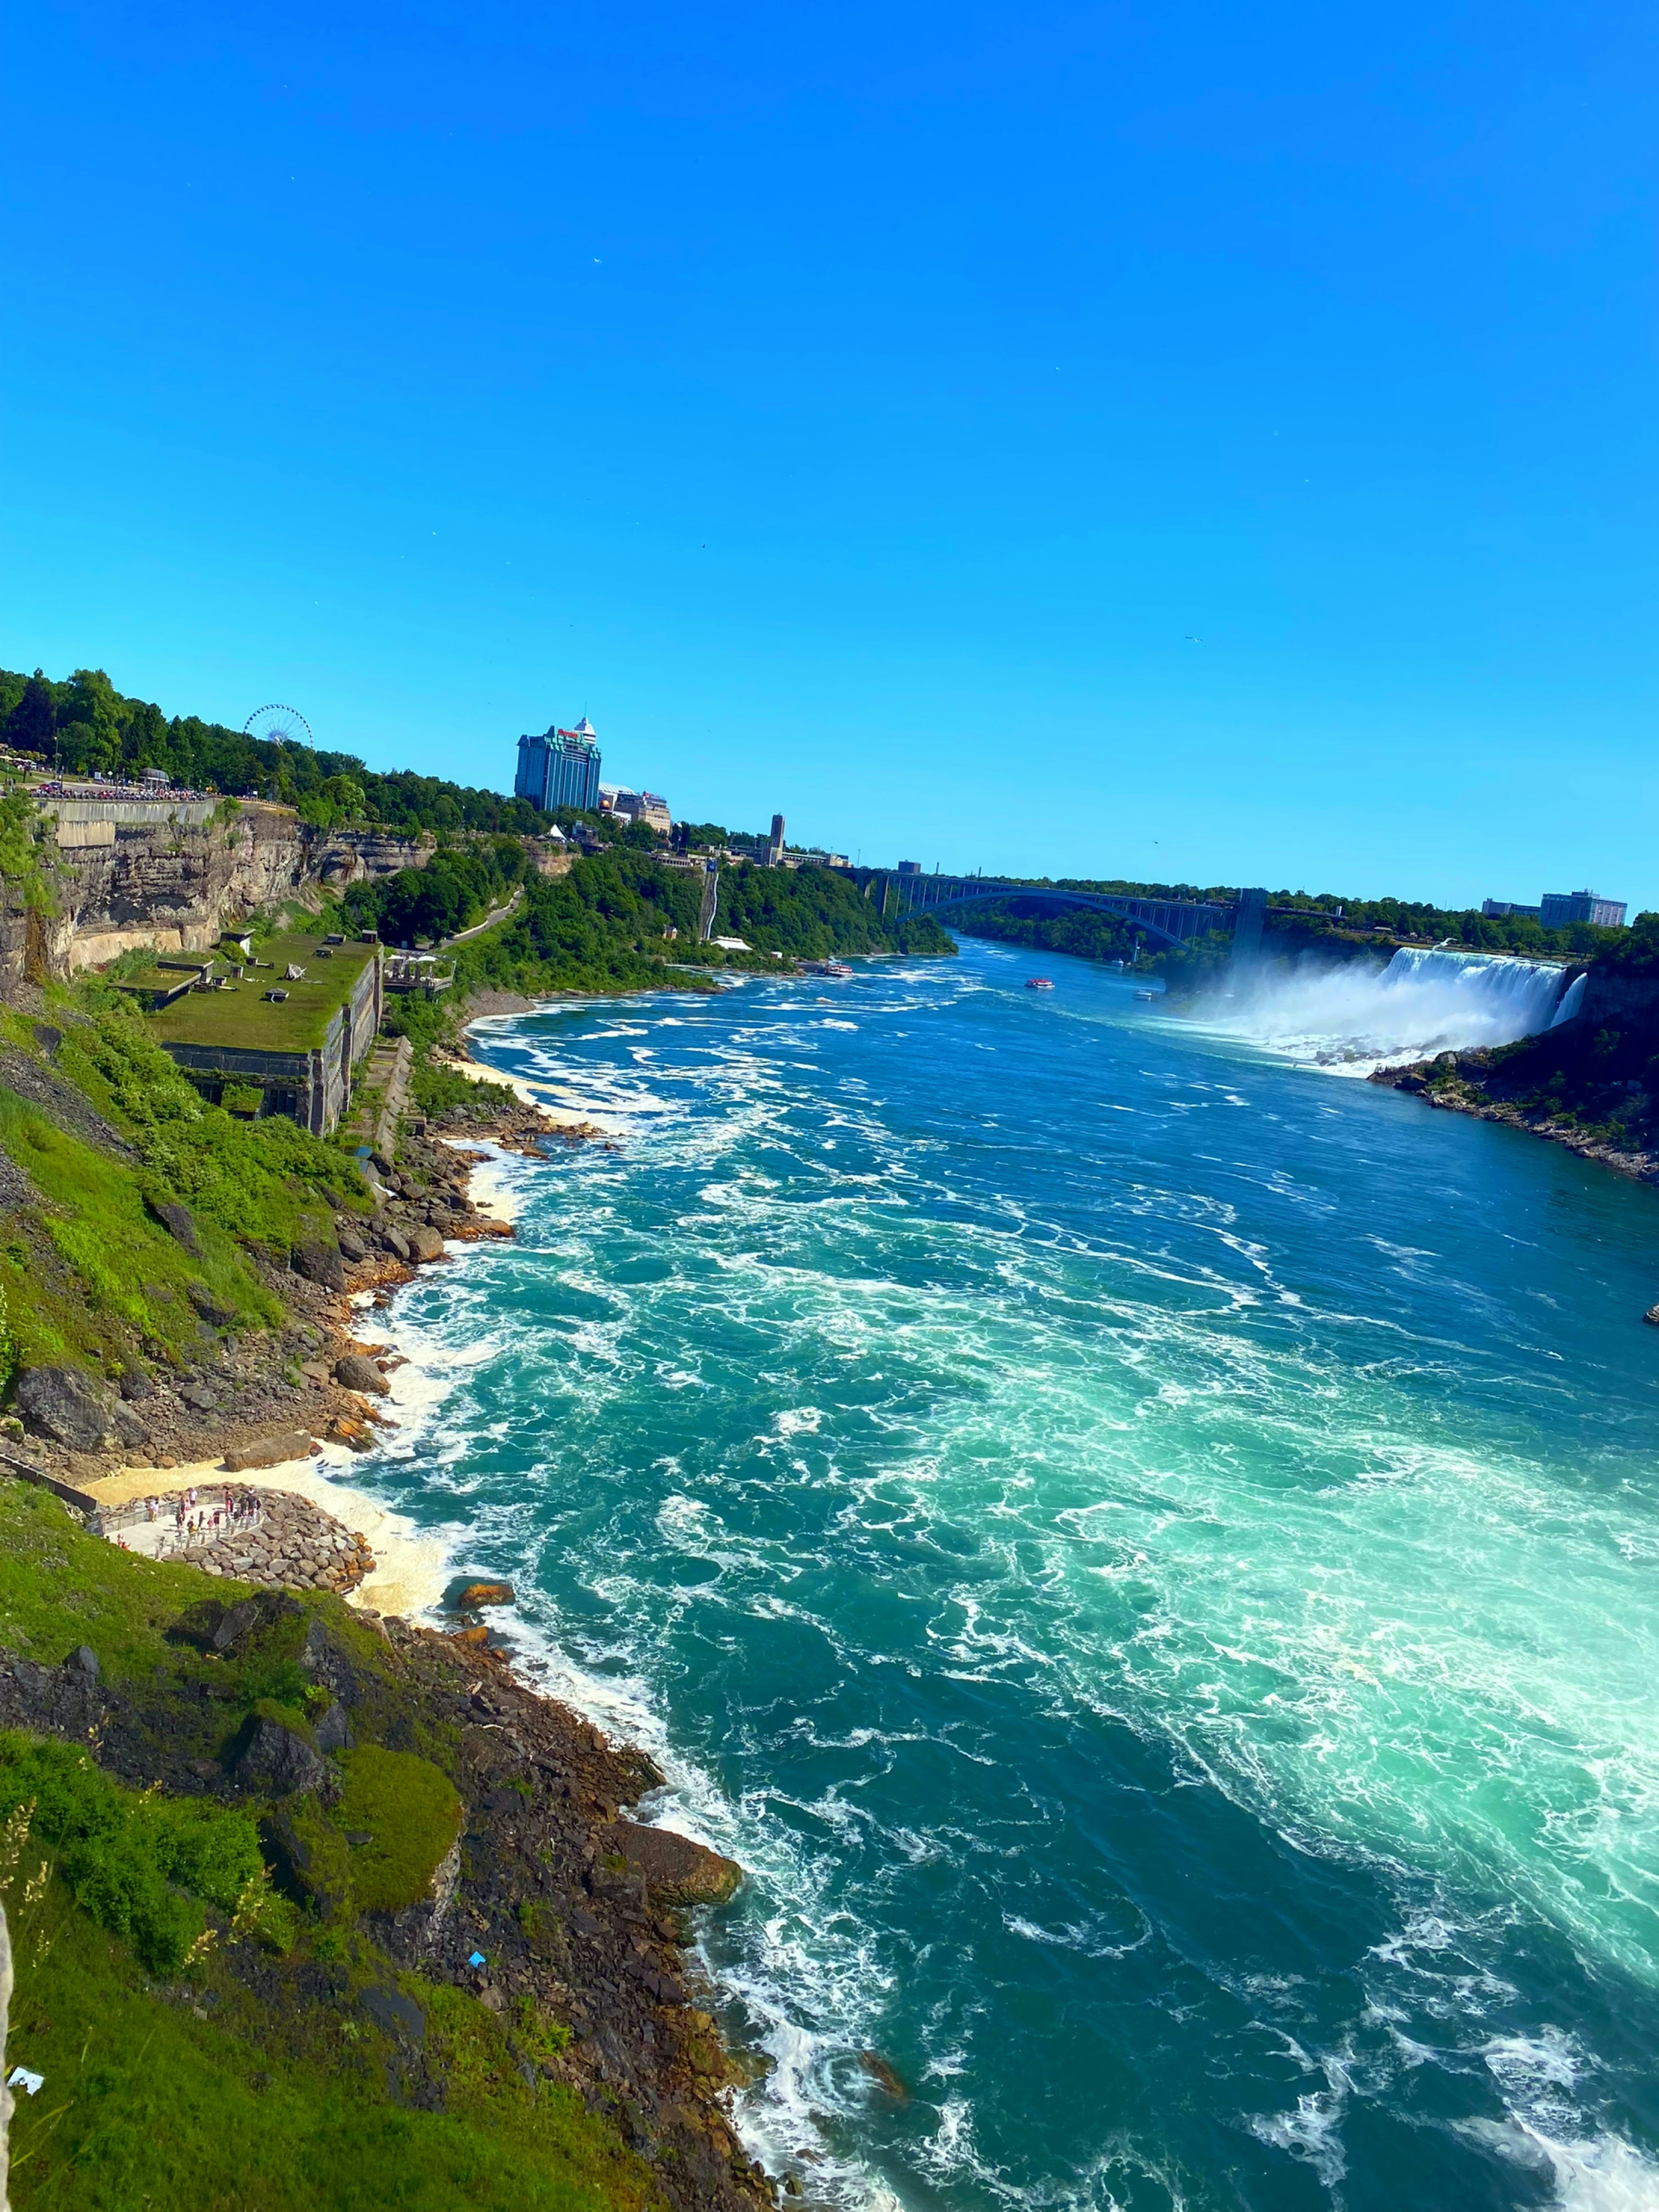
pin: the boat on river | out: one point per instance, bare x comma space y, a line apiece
1039, 983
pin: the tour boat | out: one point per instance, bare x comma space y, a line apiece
1038, 983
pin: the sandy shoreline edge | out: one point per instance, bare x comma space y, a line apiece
412, 1568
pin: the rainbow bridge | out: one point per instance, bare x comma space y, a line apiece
1171, 922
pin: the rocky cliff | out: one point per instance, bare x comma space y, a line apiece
173, 887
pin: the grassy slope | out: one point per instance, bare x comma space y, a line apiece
249, 2080
88, 1275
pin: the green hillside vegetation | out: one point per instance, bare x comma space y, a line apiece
87, 1272
208, 2037
1602, 1084
601, 927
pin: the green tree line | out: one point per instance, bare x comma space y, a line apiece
83, 727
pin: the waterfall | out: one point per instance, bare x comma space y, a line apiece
1352, 1018
1571, 999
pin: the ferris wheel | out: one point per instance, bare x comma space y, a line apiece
279, 726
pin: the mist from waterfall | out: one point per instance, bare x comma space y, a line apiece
1352, 1017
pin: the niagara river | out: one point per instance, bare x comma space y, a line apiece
1147, 1552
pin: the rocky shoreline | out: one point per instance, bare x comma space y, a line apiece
554, 1907
239, 1396
1460, 1083
558, 1905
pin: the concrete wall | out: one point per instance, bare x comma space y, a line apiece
96, 817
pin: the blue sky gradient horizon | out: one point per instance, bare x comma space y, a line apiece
1193, 445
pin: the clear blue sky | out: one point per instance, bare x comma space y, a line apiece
861, 410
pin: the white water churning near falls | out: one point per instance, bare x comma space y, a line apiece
1354, 1019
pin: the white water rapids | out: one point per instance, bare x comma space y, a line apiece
1351, 1018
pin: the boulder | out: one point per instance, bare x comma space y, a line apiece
237, 1621
197, 1397
394, 1240
354, 1372
394, 2012
334, 1730
319, 1263
352, 1247
212, 1312
64, 1403
472, 1594
882, 2075
136, 1381
84, 1660
179, 1223
425, 1243
268, 1451
126, 1426
326, 1662
678, 1871
277, 1760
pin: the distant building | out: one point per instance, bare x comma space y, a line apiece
1558, 908
774, 845
560, 768
1500, 909
909, 867
646, 806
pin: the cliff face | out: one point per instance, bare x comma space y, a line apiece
1612, 996
172, 889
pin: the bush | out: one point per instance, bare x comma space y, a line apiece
410, 1811
130, 1859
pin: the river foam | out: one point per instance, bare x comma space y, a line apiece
1354, 1016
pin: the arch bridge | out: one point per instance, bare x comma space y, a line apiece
1171, 921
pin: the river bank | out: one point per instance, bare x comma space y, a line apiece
1588, 1090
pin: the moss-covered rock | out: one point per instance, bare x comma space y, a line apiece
402, 1817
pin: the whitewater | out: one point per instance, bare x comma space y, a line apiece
1350, 1017
1146, 1554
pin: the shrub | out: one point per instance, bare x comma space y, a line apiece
130, 1859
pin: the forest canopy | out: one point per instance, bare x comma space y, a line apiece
85, 726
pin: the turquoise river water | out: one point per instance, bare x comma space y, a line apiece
1147, 1551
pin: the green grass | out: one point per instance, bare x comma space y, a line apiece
243, 2073
279, 2106
136, 1863
60, 1587
125, 1269
241, 1019
408, 1811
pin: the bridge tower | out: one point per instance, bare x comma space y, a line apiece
1248, 917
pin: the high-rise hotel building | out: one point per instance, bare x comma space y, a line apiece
560, 768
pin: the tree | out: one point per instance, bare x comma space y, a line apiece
33, 722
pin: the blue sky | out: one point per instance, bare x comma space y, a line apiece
1178, 443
